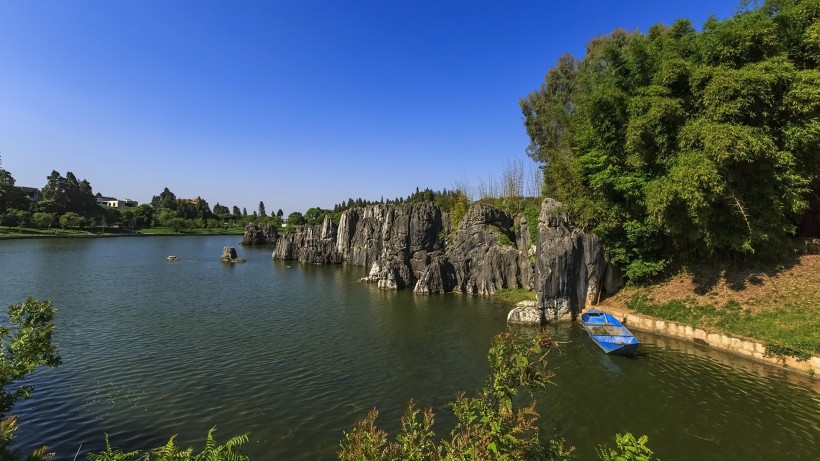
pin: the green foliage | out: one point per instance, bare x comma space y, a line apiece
71, 219
42, 220
25, 342
628, 449
64, 194
6, 179
503, 236
296, 219
12, 197
458, 209
677, 144
515, 295
788, 330
780, 352
165, 199
212, 451
490, 424
315, 216
13, 217
529, 207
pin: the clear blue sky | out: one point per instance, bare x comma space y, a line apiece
297, 103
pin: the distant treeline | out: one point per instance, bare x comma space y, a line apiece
71, 203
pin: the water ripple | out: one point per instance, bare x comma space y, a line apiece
295, 355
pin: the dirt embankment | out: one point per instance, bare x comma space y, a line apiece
796, 283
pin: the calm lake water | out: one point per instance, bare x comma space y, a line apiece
295, 354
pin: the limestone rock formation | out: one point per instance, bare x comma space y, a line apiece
439, 275
229, 255
483, 252
526, 312
260, 234
309, 244
404, 245
394, 241
569, 264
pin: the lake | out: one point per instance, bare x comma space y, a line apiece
295, 354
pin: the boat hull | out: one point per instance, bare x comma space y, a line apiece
609, 334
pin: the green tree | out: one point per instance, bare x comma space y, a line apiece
315, 216
165, 216
25, 342
166, 199
203, 210
6, 179
221, 210
12, 197
280, 213
64, 194
262, 213
296, 218
680, 144
70, 219
143, 215
15, 217
42, 220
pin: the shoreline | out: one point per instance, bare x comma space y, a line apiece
743, 347
82, 236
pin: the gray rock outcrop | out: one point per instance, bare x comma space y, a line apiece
404, 245
526, 312
310, 244
569, 264
229, 255
260, 234
483, 253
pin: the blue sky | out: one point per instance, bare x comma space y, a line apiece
295, 103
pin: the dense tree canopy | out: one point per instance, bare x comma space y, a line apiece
64, 194
165, 199
678, 143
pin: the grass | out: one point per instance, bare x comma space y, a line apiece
515, 295
29, 232
16, 232
778, 307
530, 207
193, 231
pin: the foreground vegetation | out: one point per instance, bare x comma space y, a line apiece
496, 423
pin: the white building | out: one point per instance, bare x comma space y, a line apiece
112, 202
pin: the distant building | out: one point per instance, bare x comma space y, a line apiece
34, 194
188, 201
112, 202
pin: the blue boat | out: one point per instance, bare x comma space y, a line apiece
608, 333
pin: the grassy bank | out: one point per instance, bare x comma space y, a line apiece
778, 306
30, 232
193, 231
515, 295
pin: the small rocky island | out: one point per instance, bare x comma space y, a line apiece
229, 256
415, 245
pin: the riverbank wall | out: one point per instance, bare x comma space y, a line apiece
739, 346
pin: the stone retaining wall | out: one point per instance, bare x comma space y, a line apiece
743, 347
